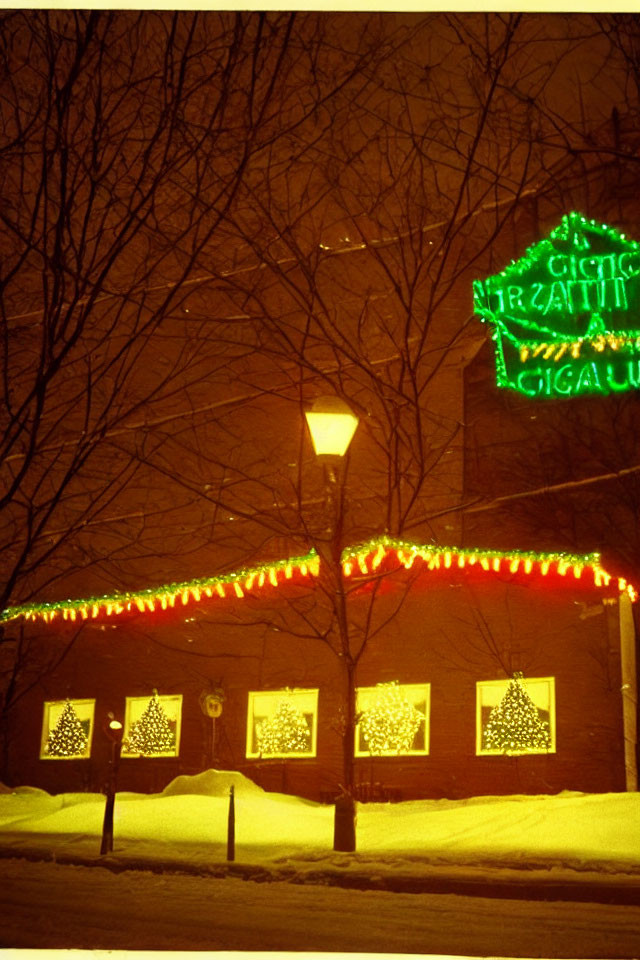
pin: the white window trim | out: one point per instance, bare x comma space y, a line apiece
424, 688
293, 693
504, 684
144, 700
47, 727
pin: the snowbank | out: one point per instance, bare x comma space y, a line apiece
212, 783
23, 803
597, 833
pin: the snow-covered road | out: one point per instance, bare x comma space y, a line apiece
47, 905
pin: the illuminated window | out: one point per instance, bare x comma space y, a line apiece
67, 729
516, 716
394, 720
282, 723
152, 726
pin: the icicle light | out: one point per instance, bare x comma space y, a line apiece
361, 560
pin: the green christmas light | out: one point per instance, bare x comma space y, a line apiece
168, 596
68, 739
361, 559
389, 724
567, 314
514, 725
286, 731
152, 733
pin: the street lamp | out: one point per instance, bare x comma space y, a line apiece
332, 425
113, 730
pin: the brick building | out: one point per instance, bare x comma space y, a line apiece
450, 629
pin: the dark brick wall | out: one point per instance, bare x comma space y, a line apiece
451, 631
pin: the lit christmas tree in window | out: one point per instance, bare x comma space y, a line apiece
68, 738
286, 731
152, 733
514, 724
390, 722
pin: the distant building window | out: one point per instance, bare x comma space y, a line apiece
152, 726
393, 720
67, 729
516, 717
282, 723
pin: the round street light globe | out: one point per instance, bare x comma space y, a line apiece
332, 424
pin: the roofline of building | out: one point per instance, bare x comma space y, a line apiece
373, 558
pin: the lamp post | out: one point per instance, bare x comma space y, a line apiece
113, 730
332, 425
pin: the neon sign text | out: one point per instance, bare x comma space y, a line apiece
574, 297
572, 379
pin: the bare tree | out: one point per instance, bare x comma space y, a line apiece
126, 138
356, 262
252, 213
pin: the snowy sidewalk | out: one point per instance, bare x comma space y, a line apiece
571, 846
352, 871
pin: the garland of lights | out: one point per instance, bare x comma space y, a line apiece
364, 558
566, 313
165, 597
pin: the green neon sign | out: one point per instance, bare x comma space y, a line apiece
566, 315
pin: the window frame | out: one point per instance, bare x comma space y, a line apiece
503, 684
426, 690
175, 698
312, 693
48, 726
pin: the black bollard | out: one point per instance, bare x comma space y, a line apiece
106, 845
231, 827
344, 824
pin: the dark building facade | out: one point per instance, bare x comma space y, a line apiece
445, 645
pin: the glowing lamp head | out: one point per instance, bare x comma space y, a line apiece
332, 425
113, 728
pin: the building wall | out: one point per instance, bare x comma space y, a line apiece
451, 631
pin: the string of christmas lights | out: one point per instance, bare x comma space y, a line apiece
389, 724
559, 348
363, 559
286, 731
167, 596
67, 739
151, 734
514, 725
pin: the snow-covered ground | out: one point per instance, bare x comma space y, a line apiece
568, 837
47, 905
